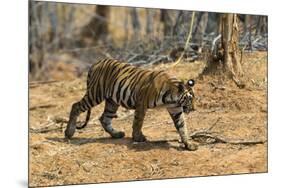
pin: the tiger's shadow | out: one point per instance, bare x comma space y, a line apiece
127, 141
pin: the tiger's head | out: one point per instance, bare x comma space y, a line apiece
186, 96
180, 95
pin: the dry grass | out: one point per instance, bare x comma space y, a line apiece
93, 157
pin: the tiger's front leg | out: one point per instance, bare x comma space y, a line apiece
178, 119
137, 125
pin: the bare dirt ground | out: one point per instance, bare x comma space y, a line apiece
93, 157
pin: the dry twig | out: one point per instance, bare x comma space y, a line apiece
42, 106
38, 83
52, 125
215, 87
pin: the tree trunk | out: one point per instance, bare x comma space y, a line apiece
227, 53
261, 27
97, 28
135, 22
201, 25
149, 21
213, 23
126, 28
230, 40
248, 30
167, 21
36, 40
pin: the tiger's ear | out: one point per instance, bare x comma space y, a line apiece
181, 87
190, 83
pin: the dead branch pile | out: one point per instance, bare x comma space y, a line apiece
253, 43
154, 51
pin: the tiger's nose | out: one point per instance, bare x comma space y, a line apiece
190, 97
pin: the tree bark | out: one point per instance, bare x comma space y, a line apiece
167, 21
230, 40
36, 39
213, 23
201, 25
228, 52
248, 30
261, 27
97, 28
149, 21
135, 22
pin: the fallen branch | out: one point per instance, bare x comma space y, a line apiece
42, 106
56, 124
214, 43
214, 124
132, 58
207, 138
139, 63
215, 87
52, 125
47, 128
212, 110
160, 59
38, 83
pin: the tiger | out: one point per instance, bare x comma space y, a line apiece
121, 84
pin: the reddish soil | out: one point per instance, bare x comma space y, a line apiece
93, 157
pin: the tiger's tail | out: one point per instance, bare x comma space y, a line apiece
89, 111
86, 121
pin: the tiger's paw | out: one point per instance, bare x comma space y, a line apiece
139, 138
69, 132
118, 134
191, 146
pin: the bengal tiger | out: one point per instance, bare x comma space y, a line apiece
119, 83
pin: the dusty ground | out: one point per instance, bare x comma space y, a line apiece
93, 157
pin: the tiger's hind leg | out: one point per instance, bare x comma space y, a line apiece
106, 119
137, 125
77, 108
